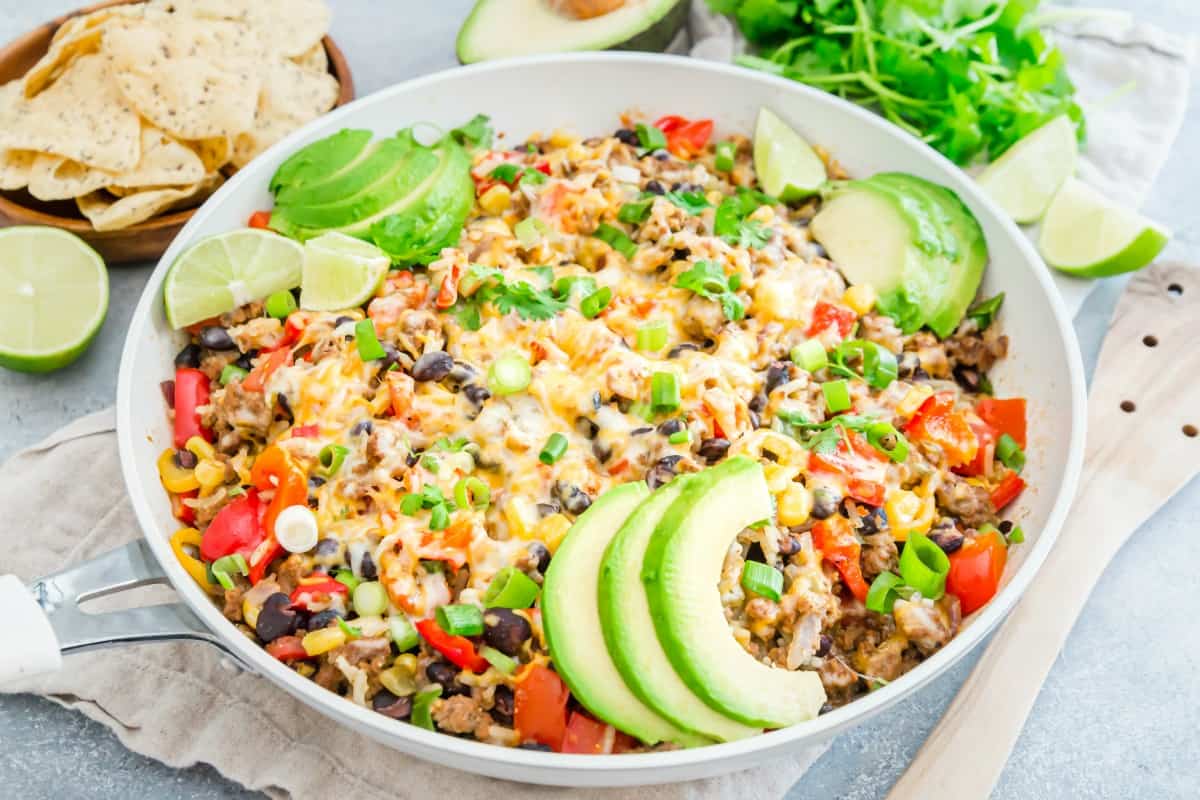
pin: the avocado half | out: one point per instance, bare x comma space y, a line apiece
508, 28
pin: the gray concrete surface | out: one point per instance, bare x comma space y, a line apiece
1117, 718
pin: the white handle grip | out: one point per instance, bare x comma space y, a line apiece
31, 647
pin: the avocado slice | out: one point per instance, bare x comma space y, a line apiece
571, 622
969, 251
681, 571
506, 28
629, 630
372, 163
319, 162
892, 240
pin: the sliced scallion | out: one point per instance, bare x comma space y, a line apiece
511, 588
223, 566
280, 304
422, 707
636, 212
810, 355
885, 438
762, 579
1010, 453
680, 437
652, 336
837, 396
403, 633
346, 578
597, 301
232, 372
460, 619
369, 348
509, 373
348, 629
331, 458
882, 594
924, 565
370, 599
554, 448
725, 155
471, 492
664, 392
527, 232
616, 238
503, 664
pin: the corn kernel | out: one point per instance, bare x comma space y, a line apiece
210, 474
779, 476
250, 613
322, 641
908, 512
552, 529
201, 448
795, 505
496, 199
398, 681
861, 298
407, 662
563, 138
174, 477
909, 404
521, 516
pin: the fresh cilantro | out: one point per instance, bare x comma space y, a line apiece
476, 133
569, 285
533, 177
545, 273
455, 445
691, 202
490, 286
825, 437
732, 221
984, 312
430, 463
635, 213
506, 173
709, 281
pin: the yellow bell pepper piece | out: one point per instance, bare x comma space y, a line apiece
496, 199
322, 641
174, 477
908, 511
911, 401
210, 474
860, 297
201, 448
552, 529
194, 566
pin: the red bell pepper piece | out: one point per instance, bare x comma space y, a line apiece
984, 455
827, 315
448, 292
256, 381
191, 392
287, 648
306, 431
858, 461
314, 587
1006, 416
868, 492
542, 167
274, 469
976, 569
938, 422
585, 736
1007, 490
237, 528
540, 707
839, 546
670, 123
181, 510
685, 138
458, 650
259, 219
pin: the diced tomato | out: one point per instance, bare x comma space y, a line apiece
1007, 490
827, 315
181, 510
256, 381
458, 650
670, 123
540, 707
542, 167
982, 463
839, 546
586, 736
317, 587
191, 392
293, 328
1006, 416
867, 492
938, 422
235, 529
306, 431
259, 219
976, 569
287, 648
448, 291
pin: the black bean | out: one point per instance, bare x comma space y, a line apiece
968, 378
284, 406
246, 360
316, 482
874, 521
412, 458
432, 366
661, 155
276, 618
538, 746
789, 545
778, 374
602, 451
540, 554
680, 253
365, 426
323, 619
755, 553
168, 392
476, 393
503, 704
188, 357
574, 500
1005, 527
460, 375
907, 364
825, 502
597, 401
758, 403
678, 349
919, 374
826, 644
586, 427
367, 569
627, 136
755, 420
654, 187
686, 188
505, 630
186, 459
389, 705
641, 431
214, 337
447, 675
671, 426
713, 449
327, 547
658, 475
949, 539
391, 357
548, 508
341, 320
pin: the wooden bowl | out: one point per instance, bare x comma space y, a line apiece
145, 240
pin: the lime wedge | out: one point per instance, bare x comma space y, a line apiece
53, 297
1084, 234
786, 165
340, 272
1025, 179
222, 272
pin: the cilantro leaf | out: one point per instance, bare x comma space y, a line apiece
490, 286
691, 202
708, 280
476, 133
731, 222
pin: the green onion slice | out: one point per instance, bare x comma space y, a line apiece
501, 662
652, 336
370, 599
232, 372
348, 629
460, 619
762, 579
664, 392
882, 594
471, 492
411, 504
280, 304
439, 518
509, 373
369, 348
1010, 453
597, 301
555, 446
650, 137
616, 238
810, 355
879, 366
223, 566
528, 231
422, 707
346, 578
403, 633
924, 566
837, 396
725, 155
1016, 535
887, 439
331, 458
680, 437
511, 588
635, 213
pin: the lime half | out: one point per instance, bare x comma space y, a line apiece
1085, 234
340, 272
1025, 179
228, 270
53, 297
786, 165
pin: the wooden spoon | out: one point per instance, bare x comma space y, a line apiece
1143, 420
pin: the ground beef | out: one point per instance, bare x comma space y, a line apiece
290, 572
206, 508
239, 315
236, 409
969, 347
879, 554
368, 655
969, 503
885, 661
233, 604
213, 361
928, 625
838, 679
930, 352
881, 330
328, 675
460, 714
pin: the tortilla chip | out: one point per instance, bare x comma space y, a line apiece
81, 116
15, 168
291, 96
76, 37
192, 78
214, 152
57, 178
81, 22
288, 27
315, 58
107, 214
164, 162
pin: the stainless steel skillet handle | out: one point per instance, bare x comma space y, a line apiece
49, 622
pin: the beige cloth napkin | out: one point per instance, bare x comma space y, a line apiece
63, 501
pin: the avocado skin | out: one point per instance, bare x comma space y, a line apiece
658, 37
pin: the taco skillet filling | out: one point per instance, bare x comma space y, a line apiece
609, 314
